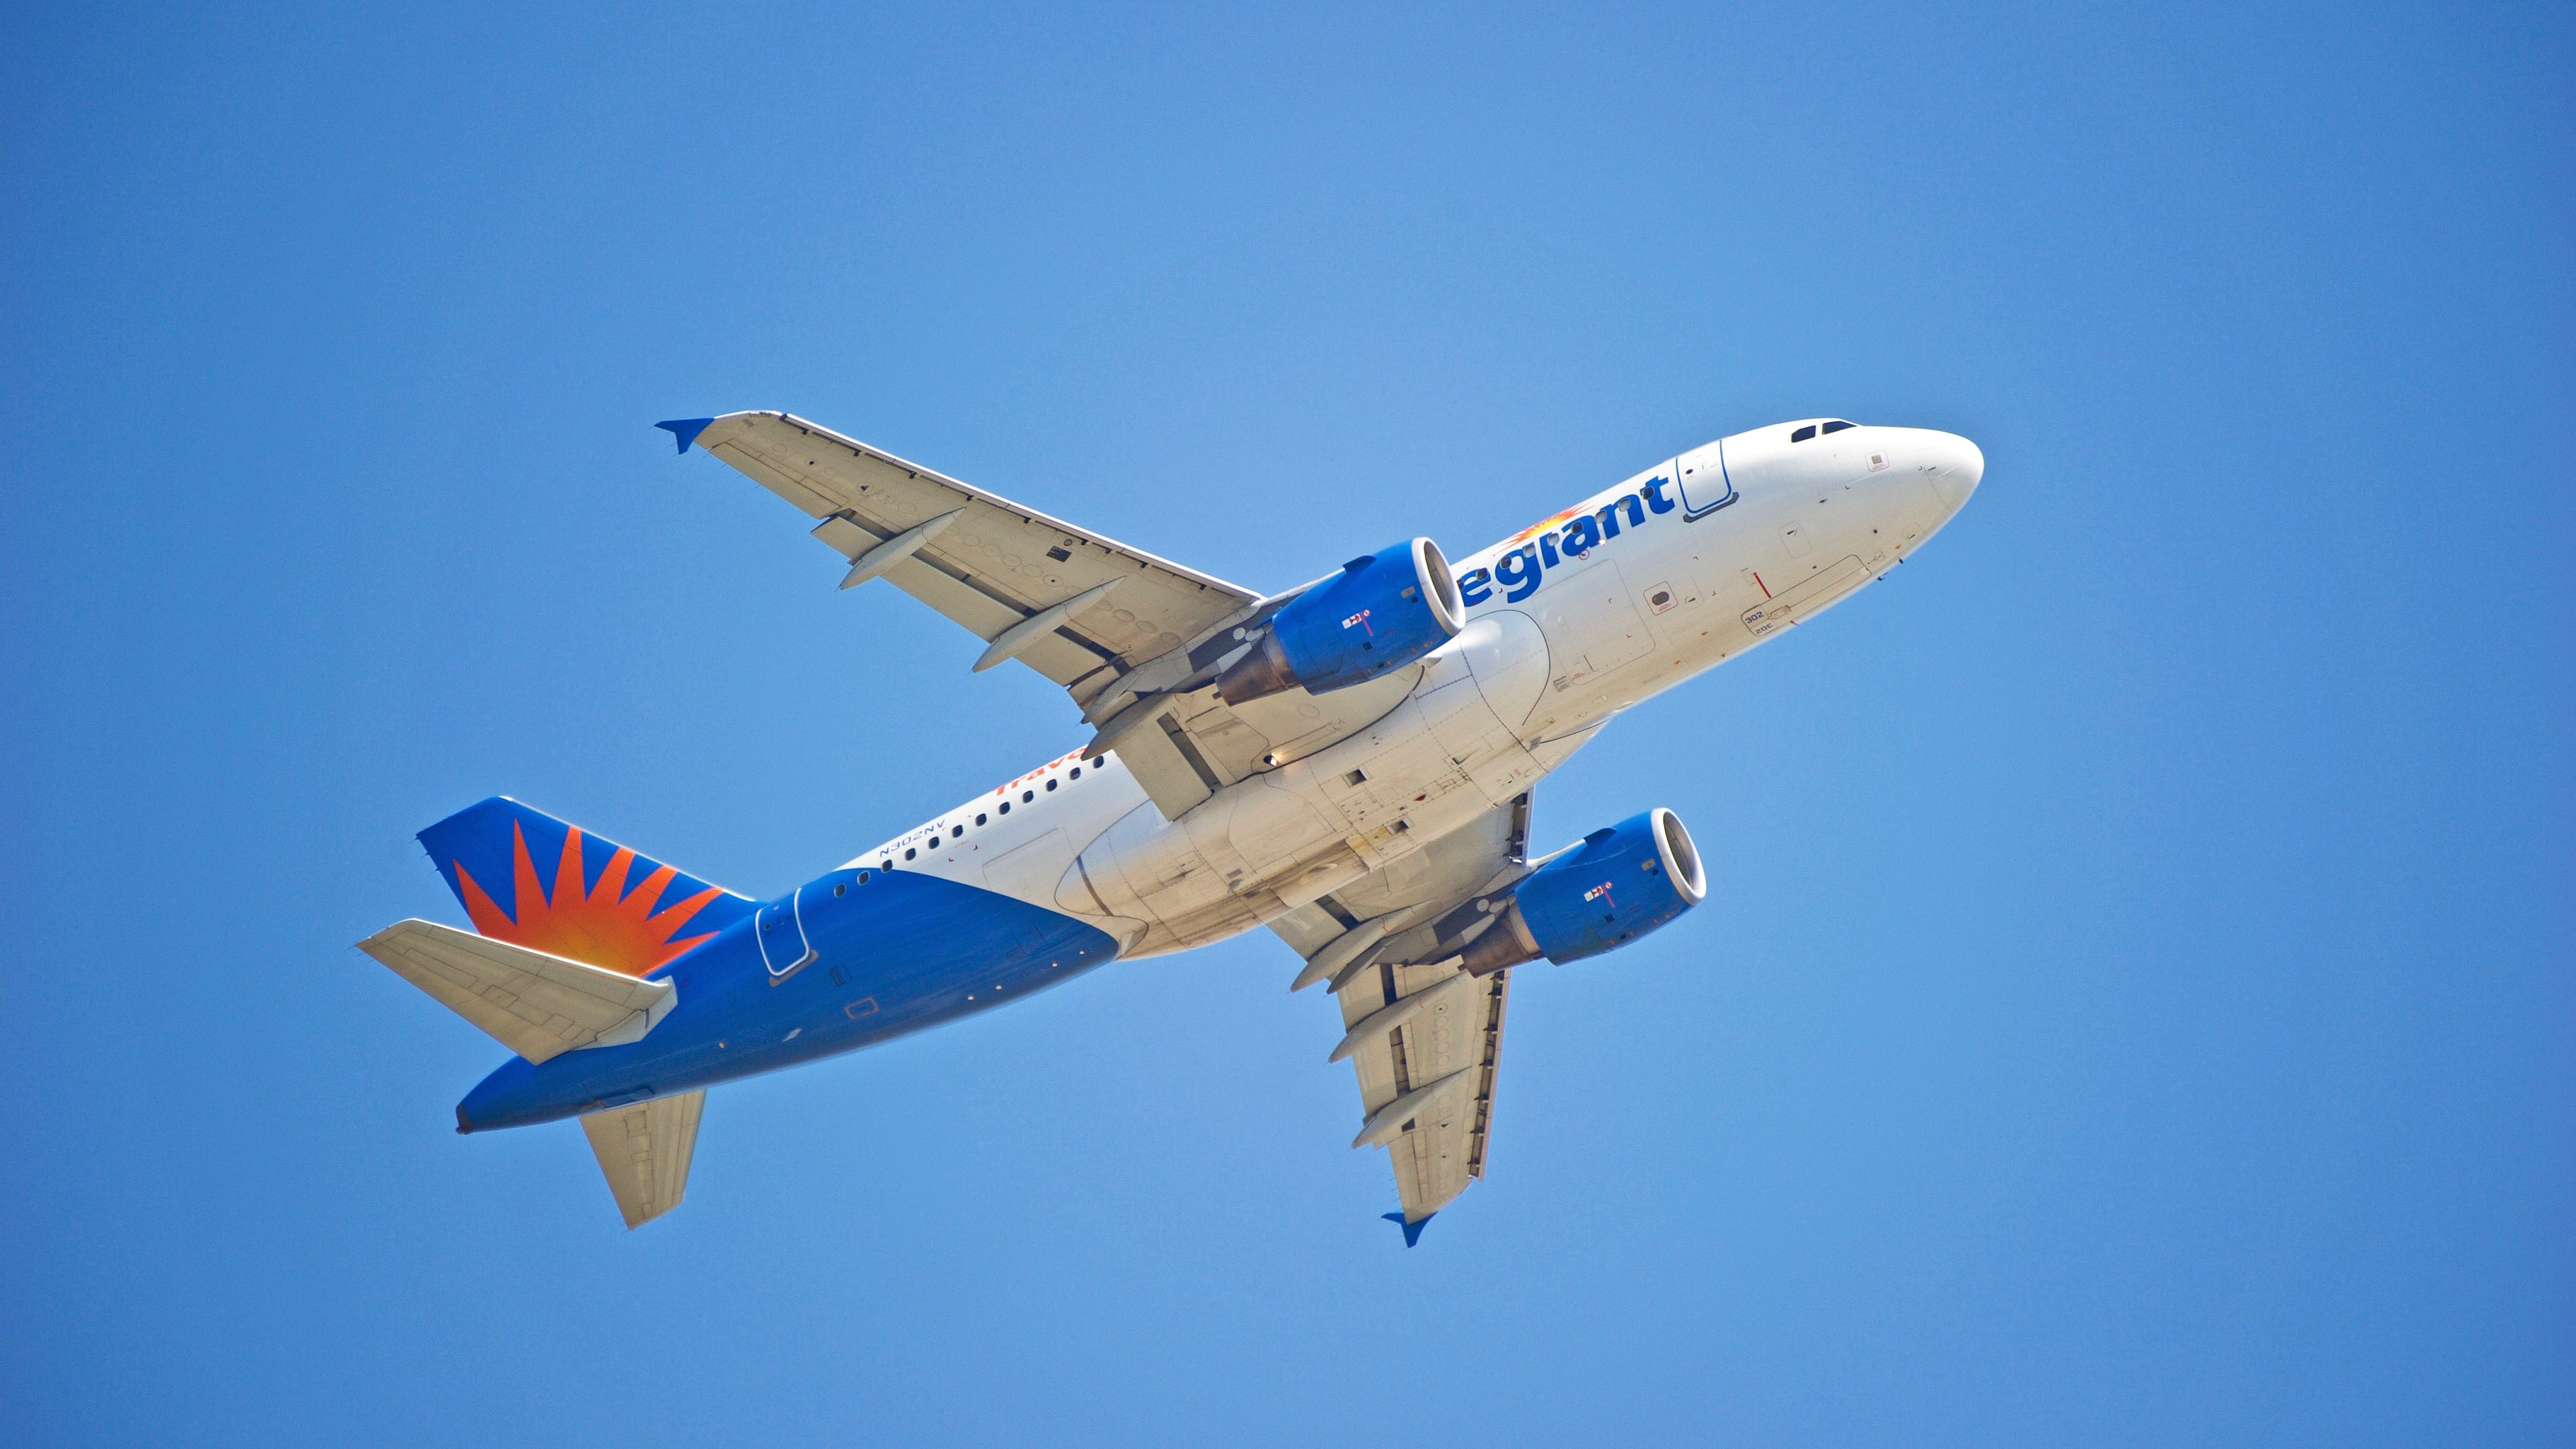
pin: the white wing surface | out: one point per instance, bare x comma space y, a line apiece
996, 565
1134, 639
1424, 1038
537, 1005
645, 1150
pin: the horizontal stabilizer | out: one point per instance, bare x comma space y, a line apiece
537, 1005
645, 1150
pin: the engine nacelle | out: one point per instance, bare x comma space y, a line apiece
1381, 612
1619, 884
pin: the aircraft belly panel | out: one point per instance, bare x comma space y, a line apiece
1272, 829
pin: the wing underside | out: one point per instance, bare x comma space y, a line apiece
996, 565
1448, 1051
1424, 1039
1135, 640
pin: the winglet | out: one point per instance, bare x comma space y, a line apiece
1413, 1228
686, 430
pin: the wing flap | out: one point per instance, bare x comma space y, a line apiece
1164, 760
1065, 660
644, 1151
537, 1005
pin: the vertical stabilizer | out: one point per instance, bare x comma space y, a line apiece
529, 879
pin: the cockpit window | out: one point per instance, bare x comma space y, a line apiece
1803, 434
1836, 426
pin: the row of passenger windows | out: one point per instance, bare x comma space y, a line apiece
958, 832
1811, 430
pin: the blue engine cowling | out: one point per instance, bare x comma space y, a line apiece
1382, 611
1619, 884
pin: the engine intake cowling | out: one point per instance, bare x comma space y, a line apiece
1381, 612
1619, 884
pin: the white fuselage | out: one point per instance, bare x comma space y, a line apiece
1569, 622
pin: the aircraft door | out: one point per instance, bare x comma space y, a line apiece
1705, 483
780, 929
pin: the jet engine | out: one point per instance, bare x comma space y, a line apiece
1619, 884
1382, 611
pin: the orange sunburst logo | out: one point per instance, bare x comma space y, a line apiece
1542, 526
607, 925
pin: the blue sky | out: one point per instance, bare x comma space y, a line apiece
2134, 1004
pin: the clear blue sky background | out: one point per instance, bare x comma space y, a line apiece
2135, 1001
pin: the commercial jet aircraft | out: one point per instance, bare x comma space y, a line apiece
1348, 763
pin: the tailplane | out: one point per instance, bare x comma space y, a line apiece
529, 879
537, 1005
645, 1150
571, 928
543, 1006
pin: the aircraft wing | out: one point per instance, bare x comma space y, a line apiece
1424, 1038
1134, 639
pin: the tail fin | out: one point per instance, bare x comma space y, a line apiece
606, 907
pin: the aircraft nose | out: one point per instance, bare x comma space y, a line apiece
1963, 467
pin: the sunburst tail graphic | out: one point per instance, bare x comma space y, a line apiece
591, 900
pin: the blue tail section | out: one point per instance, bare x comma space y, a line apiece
529, 879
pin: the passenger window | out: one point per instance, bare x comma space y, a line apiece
907, 852
1027, 795
1836, 427
1006, 807
1077, 772
957, 832
1803, 434
1050, 784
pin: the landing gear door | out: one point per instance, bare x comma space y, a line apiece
1705, 485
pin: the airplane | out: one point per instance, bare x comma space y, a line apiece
1349, 763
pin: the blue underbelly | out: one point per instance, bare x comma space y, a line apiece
892, 954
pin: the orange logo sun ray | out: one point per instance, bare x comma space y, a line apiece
1542, 526
607, 926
